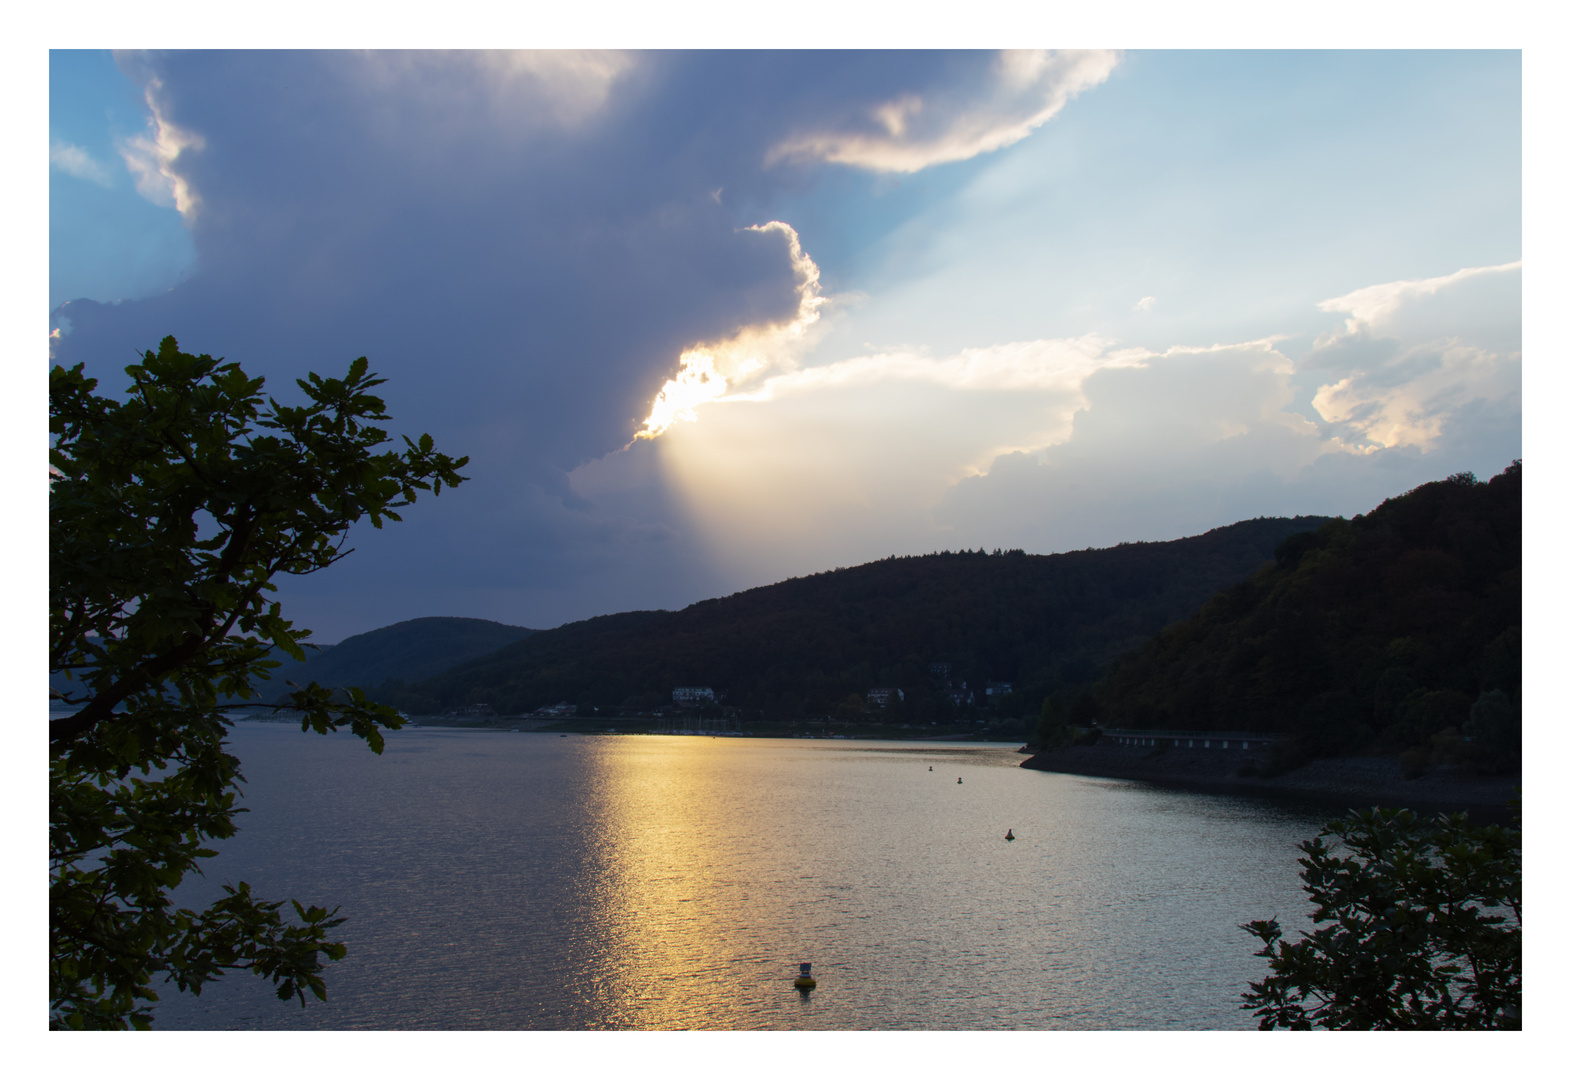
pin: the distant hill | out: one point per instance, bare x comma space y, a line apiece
1400, 630
804, 645
414, 649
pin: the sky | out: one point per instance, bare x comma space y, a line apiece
706, 320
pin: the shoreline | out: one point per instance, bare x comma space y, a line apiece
1342, 783
643, 725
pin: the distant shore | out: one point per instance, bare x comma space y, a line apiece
1337, 783
1002, 732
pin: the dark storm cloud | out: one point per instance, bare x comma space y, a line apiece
521, 245
519, 250
503, 270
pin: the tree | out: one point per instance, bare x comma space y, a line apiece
1423, 929
1051, 731
170, 514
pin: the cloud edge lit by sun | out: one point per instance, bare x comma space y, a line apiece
709, 369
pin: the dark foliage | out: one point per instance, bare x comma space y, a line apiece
1399, 630
804, 646
1418, 927
170, 514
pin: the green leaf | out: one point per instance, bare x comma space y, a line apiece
156, 621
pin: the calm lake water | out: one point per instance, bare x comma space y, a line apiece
531, 881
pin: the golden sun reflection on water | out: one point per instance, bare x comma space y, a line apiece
693, 906
718, 868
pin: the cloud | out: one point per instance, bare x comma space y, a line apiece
572, 84
509, 219
75, 161
510, 90
1375, 306
709, 369
1412, 404
525, 247
1049, 445
1413, 353
710, 373
1193, 439
1145, 303
1023, 365
154, 156
548, 254
837, 463
912, 131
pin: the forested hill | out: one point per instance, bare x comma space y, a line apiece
804, 645
414, 649
1399, 630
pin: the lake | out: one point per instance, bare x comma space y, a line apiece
534, 881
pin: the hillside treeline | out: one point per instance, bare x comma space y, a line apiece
413, 649
812, 645
1399, 630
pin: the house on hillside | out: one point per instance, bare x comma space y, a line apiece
883, 695
999, 689
693, 695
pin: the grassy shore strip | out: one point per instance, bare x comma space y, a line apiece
1335, 782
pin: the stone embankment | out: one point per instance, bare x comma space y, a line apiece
1337, 783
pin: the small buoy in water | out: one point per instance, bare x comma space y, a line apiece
805, 980
958, 780
1010, 835
929, 768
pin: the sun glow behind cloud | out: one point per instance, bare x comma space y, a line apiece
819, 463
1052, 444
708, 370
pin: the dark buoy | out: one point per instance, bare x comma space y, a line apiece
1010, 835
929, 768
805, 981
959, 780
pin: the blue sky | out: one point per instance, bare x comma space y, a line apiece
1042, 301
106, 241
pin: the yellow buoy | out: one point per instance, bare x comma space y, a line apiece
805, 980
